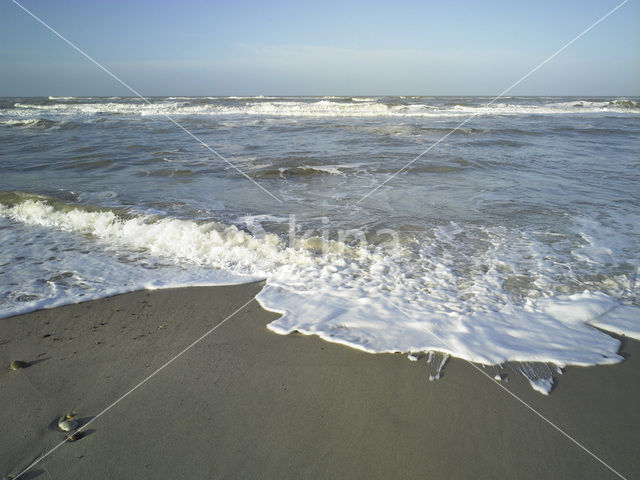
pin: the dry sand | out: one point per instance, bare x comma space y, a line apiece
245, 403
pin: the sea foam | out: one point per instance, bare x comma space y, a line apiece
374, 298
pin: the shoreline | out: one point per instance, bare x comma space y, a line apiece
248, 403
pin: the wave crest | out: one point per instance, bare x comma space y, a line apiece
318, 107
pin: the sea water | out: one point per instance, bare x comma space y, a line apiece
506, 243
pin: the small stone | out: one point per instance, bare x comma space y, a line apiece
18, 364
67, 424
75, 436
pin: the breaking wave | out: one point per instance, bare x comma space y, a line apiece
317, 107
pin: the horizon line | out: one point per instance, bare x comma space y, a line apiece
324, 95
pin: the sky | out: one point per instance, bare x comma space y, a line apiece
458, 47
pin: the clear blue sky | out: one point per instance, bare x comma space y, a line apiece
320, 48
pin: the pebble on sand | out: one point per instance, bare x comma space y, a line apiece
75, 436
18, 364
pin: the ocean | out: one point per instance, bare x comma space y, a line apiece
514, 241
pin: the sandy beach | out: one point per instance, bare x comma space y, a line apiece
246, 403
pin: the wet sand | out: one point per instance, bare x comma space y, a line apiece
246, 403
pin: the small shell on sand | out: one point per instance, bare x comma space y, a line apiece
18, 364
